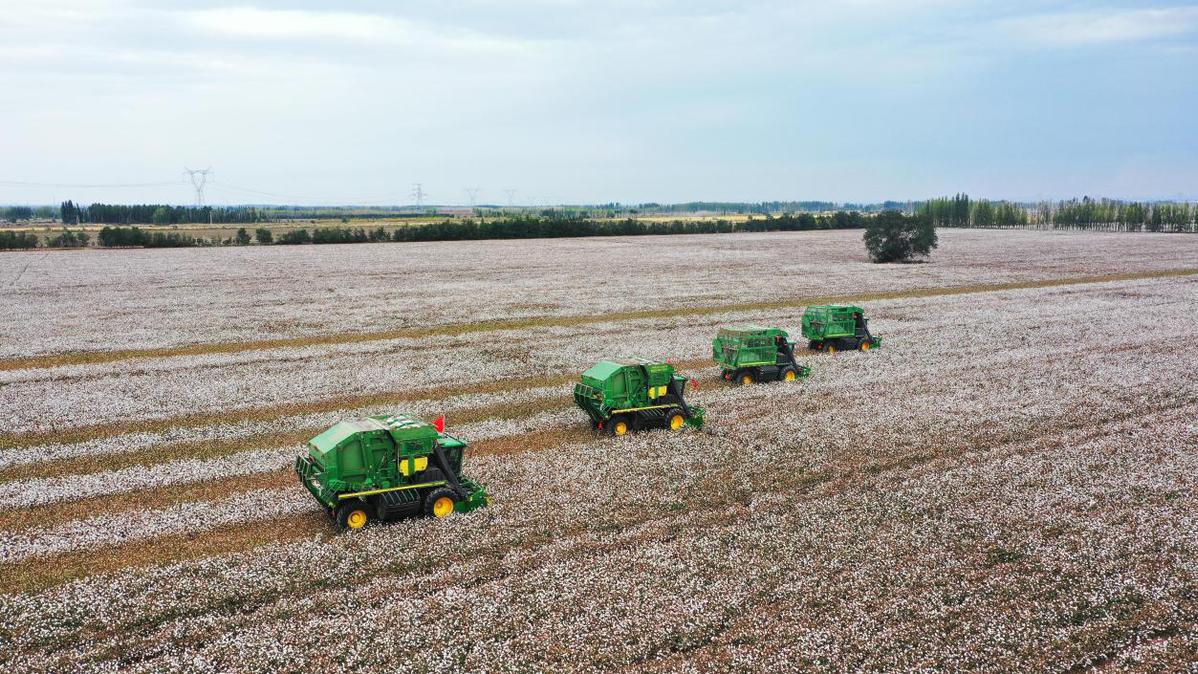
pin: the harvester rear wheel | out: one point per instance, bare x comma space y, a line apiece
439, 503
353, 515
675, 420
830, 349
865, 345
789, 374
746, 378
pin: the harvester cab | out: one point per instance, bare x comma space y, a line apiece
837, 327
748, 354
620, 396
387, 467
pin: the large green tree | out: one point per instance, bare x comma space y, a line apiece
891, 236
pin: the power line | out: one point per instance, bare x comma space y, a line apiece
226, 187
206, 181
87, 185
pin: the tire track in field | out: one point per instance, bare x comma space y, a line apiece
45, 572
50, 514
455, 329
39, 573
211, 449
846, 467
274, 411
271, 412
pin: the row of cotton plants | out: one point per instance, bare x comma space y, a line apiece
45, 491
180, 386
123, 443
948, 394
104, 530
651, 550
950, 400
158, 298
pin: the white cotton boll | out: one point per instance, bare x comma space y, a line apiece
989, 491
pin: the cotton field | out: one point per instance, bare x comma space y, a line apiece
1008, 485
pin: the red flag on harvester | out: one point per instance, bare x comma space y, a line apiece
439, 423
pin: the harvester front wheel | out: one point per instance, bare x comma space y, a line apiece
830, 349
353, 515
789, 374
439, 503
675, 419
619, 425
865, 345
746, 378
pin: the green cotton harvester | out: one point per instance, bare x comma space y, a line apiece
388, 467
751, 353
632, 394
838, 327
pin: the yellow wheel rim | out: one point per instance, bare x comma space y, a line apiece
831, 349
443, 506
790, 375
676, 422
865, 346
356, 519
621, 428
746, 380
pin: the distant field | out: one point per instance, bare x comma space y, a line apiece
222, 232
1008, 485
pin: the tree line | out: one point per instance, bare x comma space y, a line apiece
71, 213
550, 225
21, 240
1125, 216
16, 214
1084, 213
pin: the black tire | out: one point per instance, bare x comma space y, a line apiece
621, 424
354, 514
675, 419
814, 345
788, 374
434, 504
746, 378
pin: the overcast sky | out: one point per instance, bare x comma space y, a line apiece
568, 101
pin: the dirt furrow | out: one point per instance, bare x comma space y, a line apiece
92, 357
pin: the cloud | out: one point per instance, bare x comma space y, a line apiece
346, 27
1104, 26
